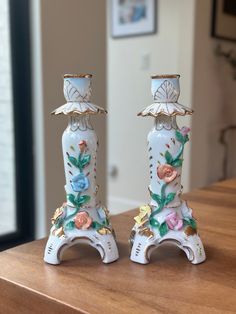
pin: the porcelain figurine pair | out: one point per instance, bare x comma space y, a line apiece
81, 219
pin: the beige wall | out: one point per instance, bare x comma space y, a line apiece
73, 41
171, 51
213, 101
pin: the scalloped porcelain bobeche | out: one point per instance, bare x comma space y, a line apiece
77, 92
165, 92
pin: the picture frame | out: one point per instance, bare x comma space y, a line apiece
224, 20
132, 18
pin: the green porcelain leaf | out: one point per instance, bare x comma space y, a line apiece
73, 160
177, 163
163, 229
83, 199
180, 138
154, 223
168, 157
106, 222
169, 198
190, 222
58, 222
85, 160
186, 221
71, 198
96, 225
70, 225
156, 197
193, 223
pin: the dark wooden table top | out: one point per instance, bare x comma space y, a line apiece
169, 284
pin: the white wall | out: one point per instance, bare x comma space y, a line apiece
213, 101
73, 40
129, 91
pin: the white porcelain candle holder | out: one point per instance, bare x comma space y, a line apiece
81, 219
166, 218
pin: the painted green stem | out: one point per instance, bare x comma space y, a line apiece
79, 158
76, 210
161, 205
163, 190
180, 152
72, 215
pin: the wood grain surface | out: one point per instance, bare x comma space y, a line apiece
169, 284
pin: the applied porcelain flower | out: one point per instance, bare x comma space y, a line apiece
174, 222
166, 172
82, 146
59, 213
185, 130
144, 211
80, 183
83, 220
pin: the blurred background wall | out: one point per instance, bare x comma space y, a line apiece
72, 40
131, 61
76, 37
213, 100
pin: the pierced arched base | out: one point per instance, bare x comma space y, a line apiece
142, 246
105, 244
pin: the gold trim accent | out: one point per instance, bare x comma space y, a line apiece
78, 75
165, 114
73, 112
58, 232
190, 231
163, 76
146, 232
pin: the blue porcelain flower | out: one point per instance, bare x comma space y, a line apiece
80, 183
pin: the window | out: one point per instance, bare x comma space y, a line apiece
16, 158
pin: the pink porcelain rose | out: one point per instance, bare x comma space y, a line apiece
166, 172
83, 220
82, 146
185, 130
174, 222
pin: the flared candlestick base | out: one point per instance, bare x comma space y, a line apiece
105, 244
145, 240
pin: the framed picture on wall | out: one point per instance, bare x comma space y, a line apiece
224, 19
133, 17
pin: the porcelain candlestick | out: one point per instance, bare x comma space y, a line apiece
81, 219
166, 218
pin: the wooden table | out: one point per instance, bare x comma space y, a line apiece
169, 284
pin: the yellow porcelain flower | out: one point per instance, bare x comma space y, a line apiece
58, 212
104, 231
142, 218
145, 209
